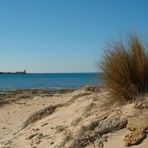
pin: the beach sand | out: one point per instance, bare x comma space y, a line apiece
44, 119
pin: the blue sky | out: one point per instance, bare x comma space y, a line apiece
64, 35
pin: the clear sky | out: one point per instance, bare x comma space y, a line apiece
64, 35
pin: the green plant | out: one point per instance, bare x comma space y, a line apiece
125, 68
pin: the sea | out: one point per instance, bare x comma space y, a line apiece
48, 81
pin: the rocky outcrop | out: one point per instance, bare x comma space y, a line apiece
112, 124
136, 137
92, 88
109, 125
138, 125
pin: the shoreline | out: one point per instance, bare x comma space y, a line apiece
10, 96
40, 89
50, 89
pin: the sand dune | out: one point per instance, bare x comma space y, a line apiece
74, 118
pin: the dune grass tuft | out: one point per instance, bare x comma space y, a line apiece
125, 68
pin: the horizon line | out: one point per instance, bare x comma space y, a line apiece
58, 72
48, 72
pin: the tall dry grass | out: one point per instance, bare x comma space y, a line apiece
125, 68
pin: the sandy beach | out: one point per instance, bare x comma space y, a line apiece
68, 118
73, 74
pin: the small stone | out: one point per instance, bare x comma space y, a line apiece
51, 143
92, 88
31, 136
36, 129
44, 124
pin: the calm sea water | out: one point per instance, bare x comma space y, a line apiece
47, 81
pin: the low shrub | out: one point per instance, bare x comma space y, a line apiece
125, 68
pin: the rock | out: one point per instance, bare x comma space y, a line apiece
44, 124
92, 88
134, 138
111, 124
35, 129
31, 136
51, 143
106, 126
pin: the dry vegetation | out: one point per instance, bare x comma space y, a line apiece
125, 68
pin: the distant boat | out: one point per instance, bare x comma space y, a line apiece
18, 72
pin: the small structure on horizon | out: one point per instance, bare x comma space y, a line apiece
21, 72
18, 72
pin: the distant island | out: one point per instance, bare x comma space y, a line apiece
17, 72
